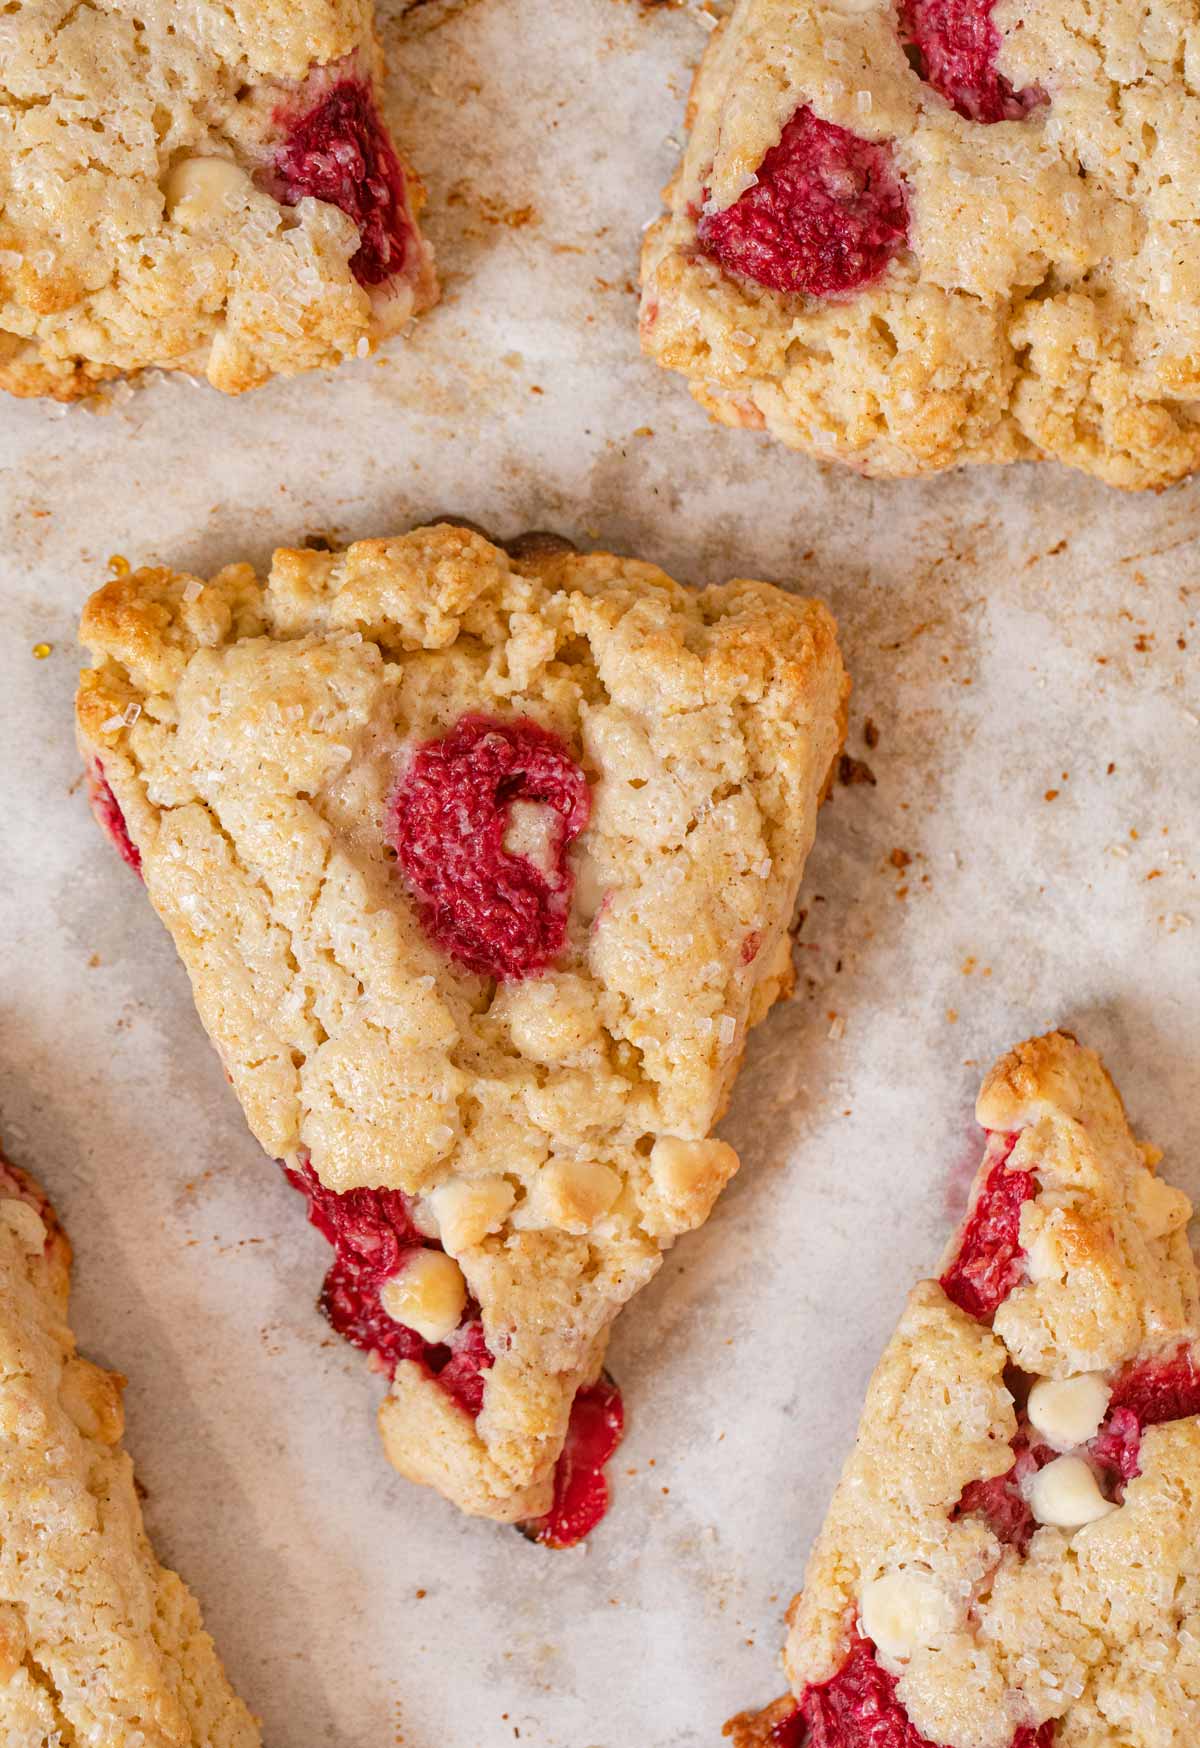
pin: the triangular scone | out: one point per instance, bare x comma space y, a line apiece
481, 866
209, 188
98, 1643
1012, 1557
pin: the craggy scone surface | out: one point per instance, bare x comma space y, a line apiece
910, 235
207, 187
270, 752
98, 1643
1012, 1556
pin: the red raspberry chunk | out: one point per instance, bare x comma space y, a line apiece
826, 215
955, 44
494, 912
858, 1708
989, 1260
785, 1733
339, 151
1000, 1501
580, 1487
373, 1236
1146, 1395
107, 811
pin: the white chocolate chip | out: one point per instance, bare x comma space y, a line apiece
533, 831
1044, 1259
468, 1210
1160, 1207
1066, 1494
685, 1171
903, 1611
589, 886
1068, 1411
25, 1223
428, 1295
575, 1193
199, 189
423, 1215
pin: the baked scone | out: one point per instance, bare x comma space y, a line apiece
1012, 1556
481, 864
208, 188
98, 1643
910, 235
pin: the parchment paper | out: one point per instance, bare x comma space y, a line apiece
1014, 636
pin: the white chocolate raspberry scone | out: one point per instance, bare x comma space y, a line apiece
98, 1643
481, 864
1012, 1557
907, 234
208, 188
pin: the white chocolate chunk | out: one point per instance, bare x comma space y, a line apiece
1044, 1257
684, 1170
1160, 1207
428, 1295
1066, 1494
533, 831
902, 1611
199, 189
575, 1193
589, 884
423, 1215
1068, 1411
468, 1210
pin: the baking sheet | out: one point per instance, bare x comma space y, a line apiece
1024, 642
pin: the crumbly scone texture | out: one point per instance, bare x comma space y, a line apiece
253, 732
98, 1643
112, 260
1048, 301
1095, 1628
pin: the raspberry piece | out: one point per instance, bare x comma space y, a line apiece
107, 812
785, 1732
955, 45
372, 1233
1118, 1444
339, 151
1146, 1395
1160, 1389
999, 1501
494, 912
858, 1708
462, 1375
988, 1264
580, 1488
826, 215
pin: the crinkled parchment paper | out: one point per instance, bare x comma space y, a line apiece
1025, 852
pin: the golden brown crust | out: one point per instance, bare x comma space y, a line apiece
98, 1643
253, 731
757, 1729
